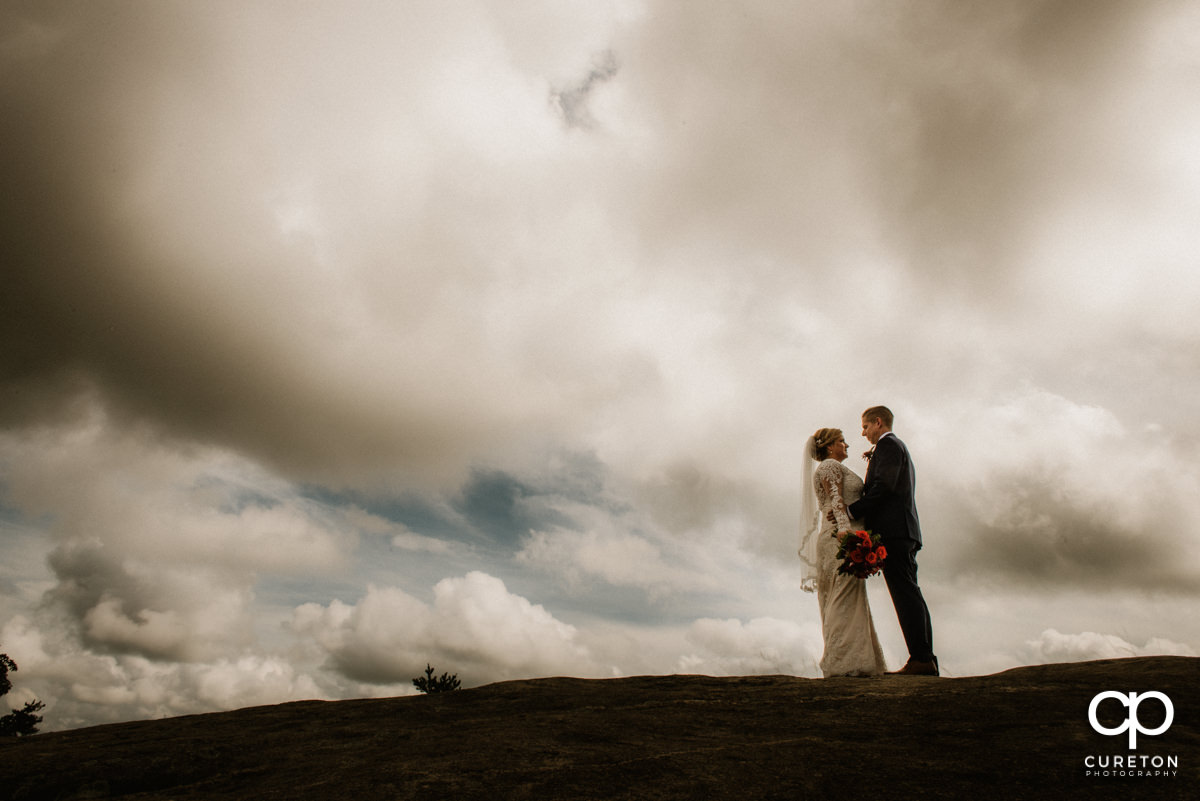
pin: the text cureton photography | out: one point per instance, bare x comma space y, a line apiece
1130, 765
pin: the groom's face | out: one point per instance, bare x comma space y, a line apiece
873, 429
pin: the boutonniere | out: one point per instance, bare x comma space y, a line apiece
868, 454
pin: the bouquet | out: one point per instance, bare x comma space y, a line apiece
861, 554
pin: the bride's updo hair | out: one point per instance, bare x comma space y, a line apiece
822, 440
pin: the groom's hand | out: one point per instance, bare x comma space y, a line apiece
830, 516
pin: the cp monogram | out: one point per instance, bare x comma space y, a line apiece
1132, 724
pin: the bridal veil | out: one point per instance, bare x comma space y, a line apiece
810, 521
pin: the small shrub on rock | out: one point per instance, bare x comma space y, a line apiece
440, 684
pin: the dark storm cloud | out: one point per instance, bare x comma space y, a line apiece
171, 187
85, 300
147, 272
952, 129
986, 114
123, 607
1046, 537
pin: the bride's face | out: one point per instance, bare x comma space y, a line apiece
838, 450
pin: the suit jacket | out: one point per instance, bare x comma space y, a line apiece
888, 506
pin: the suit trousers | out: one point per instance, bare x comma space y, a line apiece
900, 572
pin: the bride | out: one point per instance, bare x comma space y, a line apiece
851, 647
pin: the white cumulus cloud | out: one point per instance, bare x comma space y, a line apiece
475, 628
1054, 646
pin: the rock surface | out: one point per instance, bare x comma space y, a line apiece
1020, 734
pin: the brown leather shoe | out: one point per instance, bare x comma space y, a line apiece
918, 669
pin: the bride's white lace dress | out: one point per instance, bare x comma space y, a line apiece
851, 646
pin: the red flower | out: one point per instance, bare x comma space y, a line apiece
860, 553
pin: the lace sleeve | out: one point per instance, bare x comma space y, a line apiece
829, 474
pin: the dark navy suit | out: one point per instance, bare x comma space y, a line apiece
888, 507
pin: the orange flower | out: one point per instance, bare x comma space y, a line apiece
871, 558
881, 552
856, 556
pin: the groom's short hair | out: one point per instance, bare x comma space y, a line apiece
879, 413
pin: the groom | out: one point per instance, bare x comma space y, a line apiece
888, 507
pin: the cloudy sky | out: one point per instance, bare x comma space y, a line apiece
338, 339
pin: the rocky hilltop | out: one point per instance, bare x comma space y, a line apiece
1020, 734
